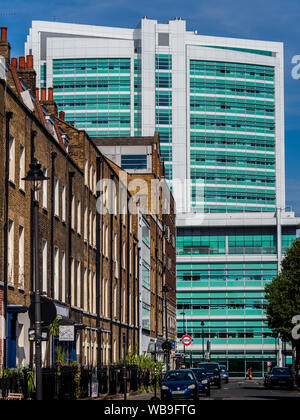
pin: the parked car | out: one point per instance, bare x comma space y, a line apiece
224, 373
203, 381
179, 384
213, 372
279, 376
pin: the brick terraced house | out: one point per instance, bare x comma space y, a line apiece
88, 260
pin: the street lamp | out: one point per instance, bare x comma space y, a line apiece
36, 177
184, 326
202, 325
165, 291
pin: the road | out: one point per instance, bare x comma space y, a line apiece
241, 390
251, 390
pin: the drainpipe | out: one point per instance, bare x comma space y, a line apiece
98, 273
71, 176
9, 116
53, 157
111, 272
134, 292
128, 272
32, 199
139, 302
120, 268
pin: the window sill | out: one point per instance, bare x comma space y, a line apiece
12, 183
22, 191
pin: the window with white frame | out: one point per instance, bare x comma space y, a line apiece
63, 203
78, 284
90, 228
73, 281
79, 217
85, 290
21, 257
56, 197
94, 231
95, 182
86, 173
115, 303
73, 213
45, 190
10, 252
85, 224
56, 273
91, 178
45, 265
90, 292
22, 168
63, 277
12, 159
94, 294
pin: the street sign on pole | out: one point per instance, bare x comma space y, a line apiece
186, 340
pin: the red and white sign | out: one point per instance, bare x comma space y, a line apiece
186, 340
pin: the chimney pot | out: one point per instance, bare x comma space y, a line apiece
29, 62
50, 94
3, 33
21, 62
43, 94
62, 115
37, 93
14, 62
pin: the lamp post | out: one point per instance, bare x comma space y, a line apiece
36, 177
184, 327
165, 291
202, 325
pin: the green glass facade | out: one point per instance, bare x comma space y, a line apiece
95, 94
163, 102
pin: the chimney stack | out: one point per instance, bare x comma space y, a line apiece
62, 115
27, 73
29, 59
22, 64
4, 33
37, 93
14, 62
50, 94
5, 45
43, 94
49, 103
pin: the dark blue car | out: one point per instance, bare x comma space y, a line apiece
203, 381
224, 373
180, 385
279, 376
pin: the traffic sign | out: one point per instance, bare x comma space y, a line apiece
186, 340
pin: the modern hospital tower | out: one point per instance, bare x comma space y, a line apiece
218, 104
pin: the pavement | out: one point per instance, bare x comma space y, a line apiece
239, 389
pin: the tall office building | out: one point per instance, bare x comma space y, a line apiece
218, 104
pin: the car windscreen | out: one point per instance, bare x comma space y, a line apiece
179, 376
281, 371
210, 368
199, 373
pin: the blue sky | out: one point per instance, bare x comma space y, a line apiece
273, 20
